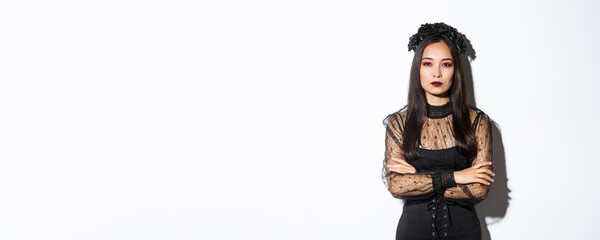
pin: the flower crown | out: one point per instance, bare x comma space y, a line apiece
428, 29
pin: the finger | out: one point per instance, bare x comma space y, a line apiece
399, 160
403, 170
391, 168
482, 181
398, 170
406, 169
394, 165
393, 160
395, 169
411, 169
402, 163
483, 164
405, 164
486, 171
486, 177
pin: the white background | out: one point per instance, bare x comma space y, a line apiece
262, 119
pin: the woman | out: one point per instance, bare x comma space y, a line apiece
438, 147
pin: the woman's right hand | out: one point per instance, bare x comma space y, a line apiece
475, 174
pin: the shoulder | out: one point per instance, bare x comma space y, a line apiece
476, 113
478, 117
397, 117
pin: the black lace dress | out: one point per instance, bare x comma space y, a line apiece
435, 207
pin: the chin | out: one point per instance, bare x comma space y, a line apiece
438, 93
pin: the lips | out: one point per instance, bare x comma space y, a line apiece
436, 83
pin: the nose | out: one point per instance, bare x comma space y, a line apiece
437, 73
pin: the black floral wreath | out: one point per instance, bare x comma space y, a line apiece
429, 29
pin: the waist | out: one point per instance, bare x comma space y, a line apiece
463, 203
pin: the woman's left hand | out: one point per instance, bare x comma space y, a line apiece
400, 166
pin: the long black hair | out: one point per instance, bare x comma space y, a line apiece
417, 105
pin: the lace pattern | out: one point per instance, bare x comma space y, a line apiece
441, 111
437, 133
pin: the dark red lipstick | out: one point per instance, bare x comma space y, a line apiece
436, 83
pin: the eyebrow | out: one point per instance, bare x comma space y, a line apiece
442, 59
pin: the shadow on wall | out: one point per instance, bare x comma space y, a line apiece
496, 203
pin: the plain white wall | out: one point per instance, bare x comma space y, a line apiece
262, 119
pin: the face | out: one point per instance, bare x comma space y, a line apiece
437, 72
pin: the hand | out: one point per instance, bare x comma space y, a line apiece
400, 166
475, 174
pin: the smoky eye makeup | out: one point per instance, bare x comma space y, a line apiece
447, 64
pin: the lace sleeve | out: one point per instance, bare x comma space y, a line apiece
476, 191
403, 186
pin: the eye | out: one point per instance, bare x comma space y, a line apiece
426, 63
447, 64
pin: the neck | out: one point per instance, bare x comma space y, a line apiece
436, 101
439, 111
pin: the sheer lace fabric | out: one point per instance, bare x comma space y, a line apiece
437, 134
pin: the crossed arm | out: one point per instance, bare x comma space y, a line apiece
402, 179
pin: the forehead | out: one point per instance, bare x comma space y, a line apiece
437, 50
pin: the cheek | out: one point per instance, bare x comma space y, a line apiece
424, 80
449, 74
424, 73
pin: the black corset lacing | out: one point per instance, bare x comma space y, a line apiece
440, 213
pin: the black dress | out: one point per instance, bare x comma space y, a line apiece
435, 207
